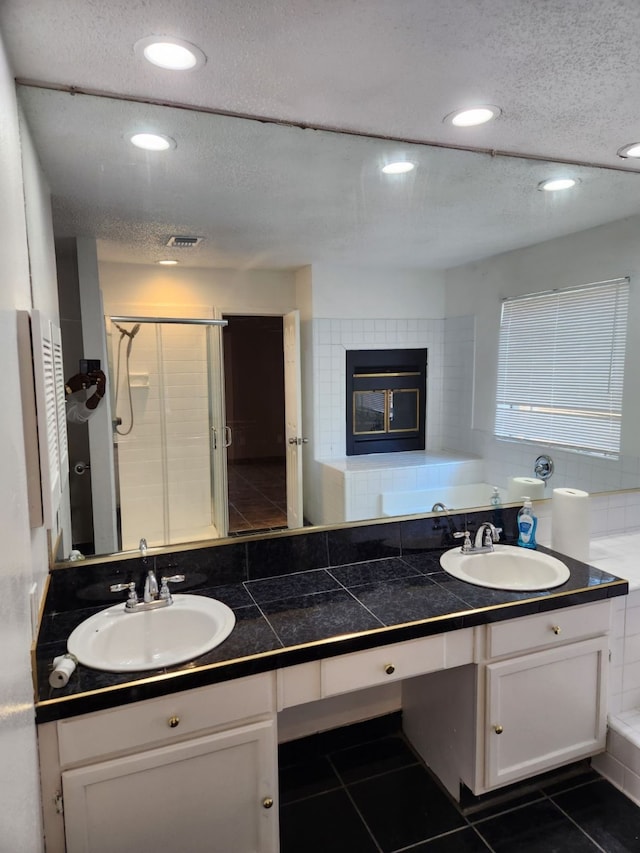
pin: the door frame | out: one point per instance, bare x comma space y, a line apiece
293, 385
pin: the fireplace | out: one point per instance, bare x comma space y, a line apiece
386, 400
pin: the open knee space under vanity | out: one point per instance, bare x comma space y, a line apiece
489, 689
207, 757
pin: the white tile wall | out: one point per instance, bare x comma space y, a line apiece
574, 470
331, 340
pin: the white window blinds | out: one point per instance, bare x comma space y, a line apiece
561, 367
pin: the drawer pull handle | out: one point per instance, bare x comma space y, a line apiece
267, 802
556, 629
498, 729
389, 668
174, 722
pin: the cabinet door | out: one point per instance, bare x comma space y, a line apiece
544, 710
209, 794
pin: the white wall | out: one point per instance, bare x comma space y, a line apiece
24, 553
364, 293
230, 291
598, 254
607, 252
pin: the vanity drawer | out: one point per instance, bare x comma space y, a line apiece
381, 665
158, 721
548, 629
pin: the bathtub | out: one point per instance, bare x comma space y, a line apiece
453, 497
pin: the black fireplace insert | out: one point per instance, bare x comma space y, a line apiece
386, 400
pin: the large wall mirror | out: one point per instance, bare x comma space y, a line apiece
302, 226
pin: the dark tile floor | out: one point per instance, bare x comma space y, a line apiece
257, 495
362, 789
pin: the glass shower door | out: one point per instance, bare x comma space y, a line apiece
167, 408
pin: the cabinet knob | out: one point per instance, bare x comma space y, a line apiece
267, 802
389, 668
498, 729
174, 722
556, 629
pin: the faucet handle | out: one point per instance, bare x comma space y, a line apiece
491, 535
120, 587
466, 545
164, 586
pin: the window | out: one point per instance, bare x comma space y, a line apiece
561, 367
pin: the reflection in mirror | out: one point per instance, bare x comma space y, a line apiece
298, 220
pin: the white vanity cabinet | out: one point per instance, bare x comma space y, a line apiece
197, 770
534, 699
193, 771
543, 710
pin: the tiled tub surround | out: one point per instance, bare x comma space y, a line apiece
621, 762
297, 598
390, 484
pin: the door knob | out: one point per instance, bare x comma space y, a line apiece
298, 440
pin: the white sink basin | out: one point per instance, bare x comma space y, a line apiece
116, 641
506, 567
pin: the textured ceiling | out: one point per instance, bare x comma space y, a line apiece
565, 72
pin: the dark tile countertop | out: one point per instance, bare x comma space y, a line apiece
291, 618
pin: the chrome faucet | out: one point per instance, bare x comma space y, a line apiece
486, 535
444, 509
150, 582
152, 596
150, 600
150, 587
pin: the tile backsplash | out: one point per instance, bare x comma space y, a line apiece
87, 584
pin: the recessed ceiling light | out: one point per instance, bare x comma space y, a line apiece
473, 116
169, 262
152, 141
632, 150
171, 53
398, 168
558, 184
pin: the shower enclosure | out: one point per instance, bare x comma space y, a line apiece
169, 434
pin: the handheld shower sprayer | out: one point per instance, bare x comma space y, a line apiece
130, 334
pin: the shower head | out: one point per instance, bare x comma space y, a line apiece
125, 332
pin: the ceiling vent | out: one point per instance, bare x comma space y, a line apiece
184, 242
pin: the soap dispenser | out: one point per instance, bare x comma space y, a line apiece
527, 523
496, 504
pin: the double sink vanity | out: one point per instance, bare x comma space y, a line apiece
495, 685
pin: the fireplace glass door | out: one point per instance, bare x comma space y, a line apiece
381, 412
